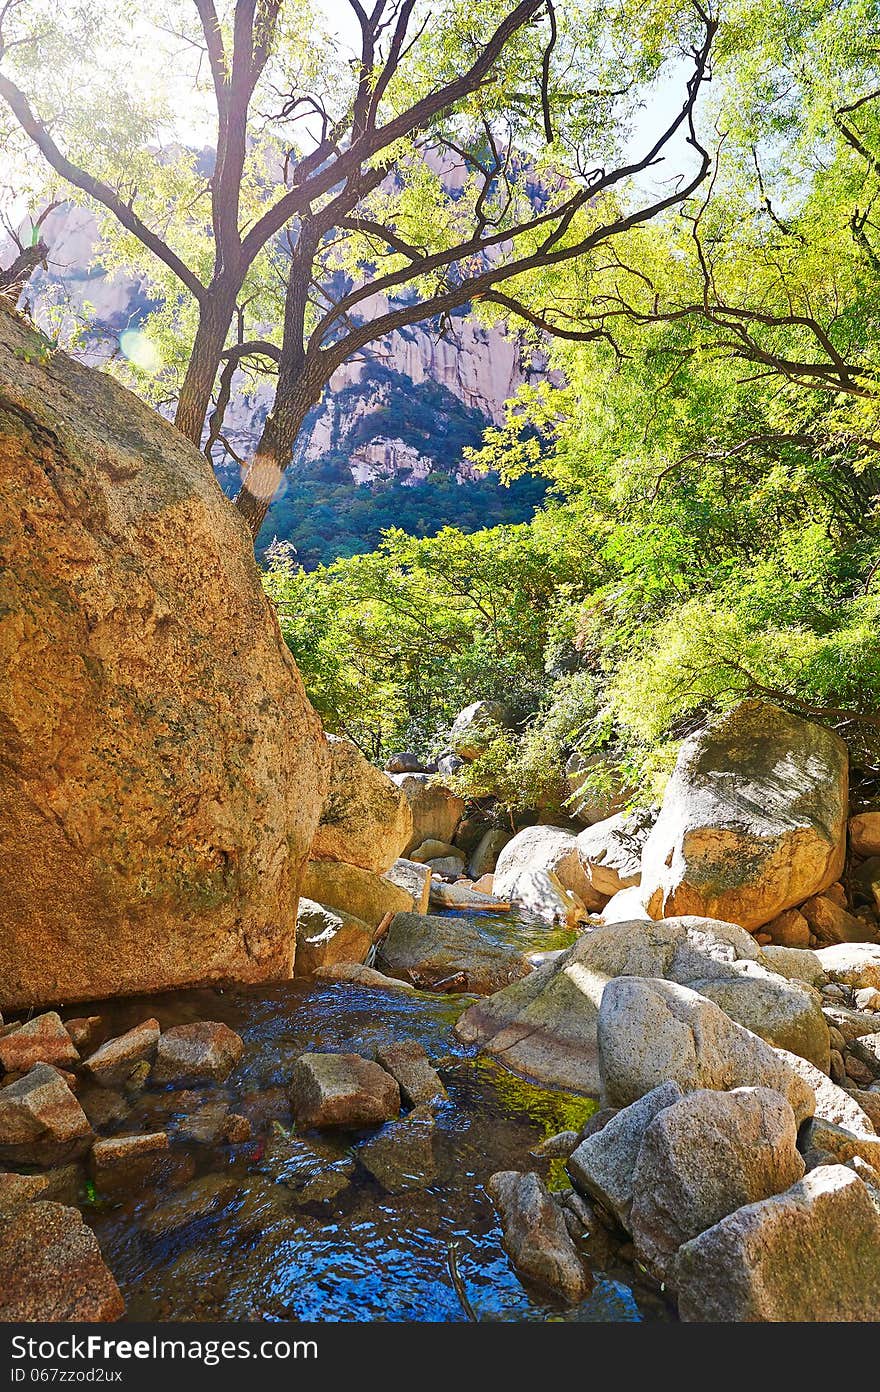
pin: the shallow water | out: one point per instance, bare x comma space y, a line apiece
365, 1254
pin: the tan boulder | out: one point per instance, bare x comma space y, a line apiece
541, 870
325, 936
864, 834
415, 879
365, 819
789, 929
753, 819
351, 890
357, 975
344, 1090
162, 770
51, 1268
831, 923
436, 811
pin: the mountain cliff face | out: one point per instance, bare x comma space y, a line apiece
396, 418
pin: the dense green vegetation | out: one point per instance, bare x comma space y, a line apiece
711, 530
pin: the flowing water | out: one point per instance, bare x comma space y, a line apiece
220, 1237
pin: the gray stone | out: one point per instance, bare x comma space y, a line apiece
703, 1157
832, 1103
342, 1090
611, 851
485, 855
205, 1052
475, 726
427, 950
535, 1235
603, 1165
325, 936
410, 1066
401, 1156
540, 870
414, 879
809, 1255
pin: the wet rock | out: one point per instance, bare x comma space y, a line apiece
753, 819
556, 1147
201, 1198
484, 856
408, 1063
705, 1156
105, 1107
603, 1165
65, 1184
851, 964
810, 1254
20, 1188
205, 1052
414, 879
832, 1102
436, 811
130, 1159
112, 1065
611, 851
344, 1090
353, 891
314, 1171
541, 870
535, 1235
427, 951
212, 1124
358, 975
401, 1156
365, 819
163, 771
325, 936
51, 1268
832, 924
84, 1030
41, 1122
864, 834
651, 1031
41, 1040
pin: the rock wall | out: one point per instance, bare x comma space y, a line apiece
161, 770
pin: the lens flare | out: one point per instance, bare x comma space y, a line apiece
140, 350
264, 479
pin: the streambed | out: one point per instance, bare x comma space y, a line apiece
245, 1249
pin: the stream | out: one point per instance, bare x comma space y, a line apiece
240, 1246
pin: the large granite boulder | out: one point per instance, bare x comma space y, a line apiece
161, 770
365, 819
51, 1268
810, 1254
430, 951
652, 1031
436, 812
545, 1025
541, 870
753, 819
349, 889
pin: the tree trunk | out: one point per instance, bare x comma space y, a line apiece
274, 453
215, 316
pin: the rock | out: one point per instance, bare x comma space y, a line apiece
84, 1031
435, 810
832, 924
365, 819
652, 1030
811, 1254
602, 1166
790, 1017
428, 950
405, 762
41, 1122
105, 1107
558, 1147
868, 1099
625, 906
545, 1026
162, 769
704, 1157
593, 806
42, 1040
852, 1024
535, 1235
414, 879
211, 1124
852, 964
485, 885
314, 1171
867, 998
465, 896
344, 1090
353, 891
789, 929
842, 1144
475, 726
449, 867
795, 964
432, 849
401, 1156
130, 1159
857, 1071
20, 1188
832, 1103
112, 1065
205, 1052
51, 1268
864, 834
64, 1184
538, 863
408, 1063
611, 851
199, 1199
484, 856
357, 975
449, 764
753, 819
325, 936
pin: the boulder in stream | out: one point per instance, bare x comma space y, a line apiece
204, 1052
342, 1090
51, 1268
432, 952
535, 1235
41, 1122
